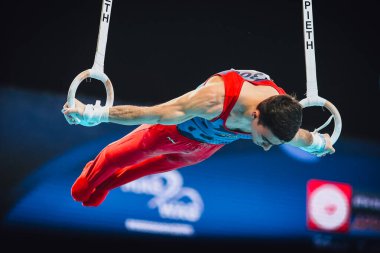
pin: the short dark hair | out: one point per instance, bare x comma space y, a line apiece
282, 114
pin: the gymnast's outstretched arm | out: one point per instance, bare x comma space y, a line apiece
200, 102
315, 143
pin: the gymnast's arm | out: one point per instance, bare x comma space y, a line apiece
202, 102
306, 140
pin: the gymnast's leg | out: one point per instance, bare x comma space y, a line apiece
154, 165
144, 142
158, 164
145, 151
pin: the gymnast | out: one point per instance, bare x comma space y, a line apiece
228, 106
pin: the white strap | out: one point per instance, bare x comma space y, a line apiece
105, 19
95, 114
318, 144
312, 98
308, 28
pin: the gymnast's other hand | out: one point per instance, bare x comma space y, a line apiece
74, 116
329, 149
321, 145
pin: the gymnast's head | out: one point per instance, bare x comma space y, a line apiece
276, 120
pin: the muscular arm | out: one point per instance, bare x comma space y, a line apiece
304, 139
203, 102
175, 111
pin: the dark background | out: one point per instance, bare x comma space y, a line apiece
157, 50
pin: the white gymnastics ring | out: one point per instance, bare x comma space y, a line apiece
90, 73
318, 101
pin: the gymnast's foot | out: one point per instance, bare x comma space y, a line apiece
81, 191
96, 198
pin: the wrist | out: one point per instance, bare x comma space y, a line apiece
95, 114
104, 114
318, 142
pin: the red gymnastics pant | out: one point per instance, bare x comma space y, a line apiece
149, 149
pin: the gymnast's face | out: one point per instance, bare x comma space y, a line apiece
262, 135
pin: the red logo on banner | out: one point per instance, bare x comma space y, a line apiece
328, 206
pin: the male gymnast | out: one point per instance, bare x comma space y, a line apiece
228, 106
